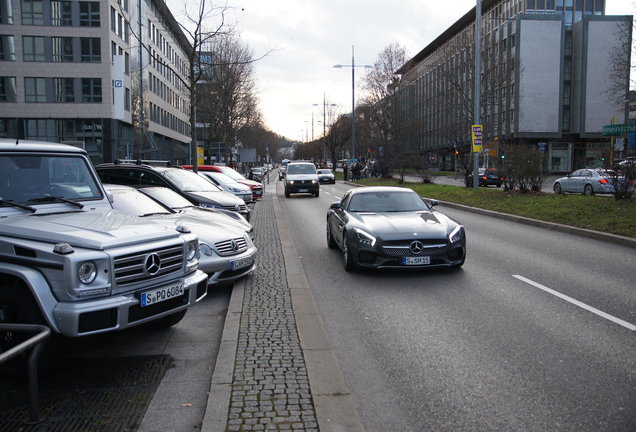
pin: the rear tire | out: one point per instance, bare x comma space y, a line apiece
587, 190
557, 188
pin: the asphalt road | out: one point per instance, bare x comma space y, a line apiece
535, 333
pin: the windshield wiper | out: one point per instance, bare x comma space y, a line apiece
15, 204
51, 198
155, 214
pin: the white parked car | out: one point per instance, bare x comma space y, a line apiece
588, 181
228, 184
227, 253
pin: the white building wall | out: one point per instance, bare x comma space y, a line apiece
539, 75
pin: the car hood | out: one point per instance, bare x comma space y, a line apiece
433, 224
219, 197
96, 230
216, 218
206, 232
250, 183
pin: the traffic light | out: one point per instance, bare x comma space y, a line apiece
503, 156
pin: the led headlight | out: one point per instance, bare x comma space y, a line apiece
210, 205
456, 235
364, 237
87, 272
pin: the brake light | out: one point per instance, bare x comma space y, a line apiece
485, 178
603, 181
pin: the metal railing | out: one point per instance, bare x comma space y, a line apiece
41, 333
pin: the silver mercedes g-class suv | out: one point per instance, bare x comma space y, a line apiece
71, 262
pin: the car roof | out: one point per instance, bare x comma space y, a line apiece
374, 189
8, 144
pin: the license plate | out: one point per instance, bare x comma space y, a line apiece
303, 190
242, 263
161, 294
416, 260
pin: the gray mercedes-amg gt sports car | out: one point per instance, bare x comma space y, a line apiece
393, 227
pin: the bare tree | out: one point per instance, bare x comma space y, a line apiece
619, 78
227, 91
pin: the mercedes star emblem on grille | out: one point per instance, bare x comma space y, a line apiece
152, 264
235, 246
417, 247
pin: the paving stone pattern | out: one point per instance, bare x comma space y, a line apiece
270, 389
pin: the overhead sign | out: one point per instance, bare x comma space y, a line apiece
618, 129
476, 134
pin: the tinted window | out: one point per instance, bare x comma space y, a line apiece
301, 169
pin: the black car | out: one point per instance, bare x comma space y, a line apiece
487, 177
392, 227
189, 185
326, 176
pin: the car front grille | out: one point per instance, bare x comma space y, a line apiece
239, 208
231, 247
403, 247
140, 266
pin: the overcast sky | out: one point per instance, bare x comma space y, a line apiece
308, 37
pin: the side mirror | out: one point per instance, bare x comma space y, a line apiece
433, 202
335, 205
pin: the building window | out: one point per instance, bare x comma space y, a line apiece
7, 47
62, 48
89, 14
32, 13
64, 89
91, 90
113, 20
33, 48
34, 90
127, 100
127, 63
7, 90
91, 50
6, 12
61, 13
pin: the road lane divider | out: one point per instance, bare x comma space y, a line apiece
589, 308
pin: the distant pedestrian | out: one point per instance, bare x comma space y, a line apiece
344, 169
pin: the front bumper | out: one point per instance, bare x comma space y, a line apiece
379, 257
123, 311
302, 187
224, 269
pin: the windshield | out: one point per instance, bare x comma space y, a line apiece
386, 202
301, 169
188, 181
324, 171
136, 203
220, 178
28, 178
232, 173
167, 197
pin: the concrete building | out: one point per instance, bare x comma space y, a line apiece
548, 75
70, 72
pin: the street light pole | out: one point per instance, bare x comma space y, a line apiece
477, 87
353, 97
324, 125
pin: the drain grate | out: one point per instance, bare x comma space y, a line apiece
88, 394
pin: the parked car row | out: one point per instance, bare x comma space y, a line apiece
87, 250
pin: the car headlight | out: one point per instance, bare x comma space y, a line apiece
191, 251
291, 182
210, 205
205, 249
457, 234
234, 190
314, 181
364, 237
87, 272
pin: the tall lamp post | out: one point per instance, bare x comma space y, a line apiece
324, 125
477, 87
353, 67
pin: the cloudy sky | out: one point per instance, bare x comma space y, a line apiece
308, 37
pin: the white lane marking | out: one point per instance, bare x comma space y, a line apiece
607, 316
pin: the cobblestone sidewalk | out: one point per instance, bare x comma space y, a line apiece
270, 388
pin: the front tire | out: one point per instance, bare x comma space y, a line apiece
347, 259
317, 194
331, 243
